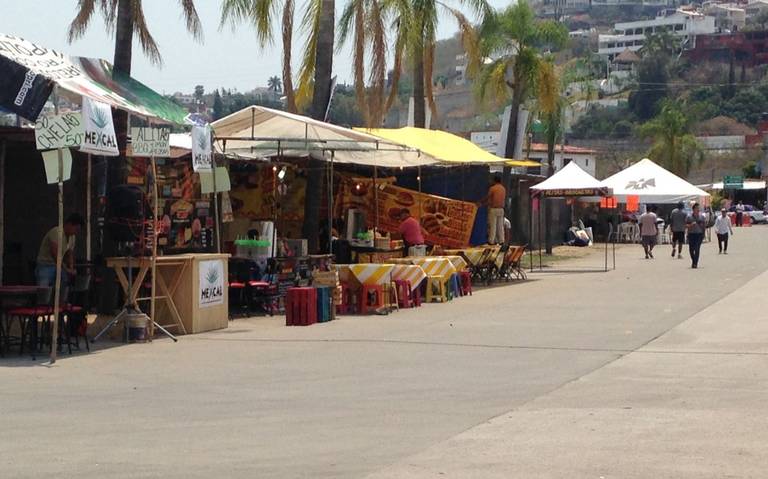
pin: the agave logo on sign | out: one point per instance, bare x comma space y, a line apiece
99, 137
211, 283
201, 148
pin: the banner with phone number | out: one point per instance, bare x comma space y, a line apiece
446, 222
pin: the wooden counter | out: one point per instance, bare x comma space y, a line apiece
192, 289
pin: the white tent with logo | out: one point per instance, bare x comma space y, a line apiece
571, 180
652, 184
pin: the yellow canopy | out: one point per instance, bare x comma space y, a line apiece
445, 147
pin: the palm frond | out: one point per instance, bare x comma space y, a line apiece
345, 23
378, 78
146, 40
259, 13
311, 25
79, 25
548, 87
429, 64
397, 68
192, 20
359, 59
469, 41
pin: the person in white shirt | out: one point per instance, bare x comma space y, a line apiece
740, 214
723, 228
648, 231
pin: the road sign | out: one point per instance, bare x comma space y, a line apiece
733, 182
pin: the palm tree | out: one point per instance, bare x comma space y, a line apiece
551, 106
315, 76
364, 21
415, 25
125, 18
674, 146
511, 39
262, 15
275, 84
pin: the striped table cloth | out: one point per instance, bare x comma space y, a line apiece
369, 273
435, 265
409, 272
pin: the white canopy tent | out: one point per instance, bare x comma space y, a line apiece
571, 180
652, 184
258, 132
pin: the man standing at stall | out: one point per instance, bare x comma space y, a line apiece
495, 202
45, 271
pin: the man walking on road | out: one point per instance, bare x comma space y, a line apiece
677, 225
648, 231
697, 224
495, 201
723, 229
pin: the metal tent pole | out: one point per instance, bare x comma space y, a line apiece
2, 207
330, 204
60, 241
215, 197
88, 208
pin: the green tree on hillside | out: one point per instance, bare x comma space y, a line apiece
513, 38
674, 146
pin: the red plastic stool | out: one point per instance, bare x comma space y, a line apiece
348, 302
403, 293
301, 307
416, 296
237, 299
376, 294
465, 277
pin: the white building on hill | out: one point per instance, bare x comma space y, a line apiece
631, 35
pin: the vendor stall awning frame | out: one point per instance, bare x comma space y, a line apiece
446, 147
30, 70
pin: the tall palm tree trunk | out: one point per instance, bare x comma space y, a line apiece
116, 169
320, 99
419, 107
122, 66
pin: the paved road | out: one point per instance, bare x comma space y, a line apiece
358, 396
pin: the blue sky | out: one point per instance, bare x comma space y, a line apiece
225, 59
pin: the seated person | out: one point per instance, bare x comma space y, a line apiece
410, 229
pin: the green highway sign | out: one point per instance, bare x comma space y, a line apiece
733, 182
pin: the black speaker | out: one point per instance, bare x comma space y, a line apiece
125, 213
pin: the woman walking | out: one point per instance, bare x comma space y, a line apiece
723, 228
696, 224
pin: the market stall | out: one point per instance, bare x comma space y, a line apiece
570, 182
79, 123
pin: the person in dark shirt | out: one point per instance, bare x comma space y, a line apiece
697, 225
677, 224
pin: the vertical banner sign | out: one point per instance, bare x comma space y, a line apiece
151, 142
211, 283
99, 137
59, 131
201, 148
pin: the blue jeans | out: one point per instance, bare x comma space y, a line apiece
694, 247
46, 277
